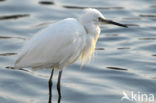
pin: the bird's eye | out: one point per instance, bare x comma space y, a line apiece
100, 19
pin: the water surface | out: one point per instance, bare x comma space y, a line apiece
125, 59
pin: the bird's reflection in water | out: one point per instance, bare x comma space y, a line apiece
58, 86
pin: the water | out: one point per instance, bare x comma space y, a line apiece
125, 59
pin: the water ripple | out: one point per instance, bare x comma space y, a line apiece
15, 16
148, 15
116, 68
9, 37
83, 7
7, 54
46, 2
2, 0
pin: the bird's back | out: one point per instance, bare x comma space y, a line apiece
57, 45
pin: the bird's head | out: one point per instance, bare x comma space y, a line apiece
94, 16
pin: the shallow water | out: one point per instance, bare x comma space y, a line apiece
125, 59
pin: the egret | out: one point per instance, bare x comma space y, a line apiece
62, 43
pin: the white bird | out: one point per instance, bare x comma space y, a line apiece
62, 43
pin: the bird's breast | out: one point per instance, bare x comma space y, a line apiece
89, 48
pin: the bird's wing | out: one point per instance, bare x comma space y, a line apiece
53, 45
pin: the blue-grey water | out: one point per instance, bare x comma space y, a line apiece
124, 62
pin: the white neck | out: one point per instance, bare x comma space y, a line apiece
93, 32
90, 27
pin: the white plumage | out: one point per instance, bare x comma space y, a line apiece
62, 43
57, 45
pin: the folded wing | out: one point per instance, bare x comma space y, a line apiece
57, 45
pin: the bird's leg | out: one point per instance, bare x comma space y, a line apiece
58, 86
50, 85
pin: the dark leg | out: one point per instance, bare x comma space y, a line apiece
50, 85
58, 86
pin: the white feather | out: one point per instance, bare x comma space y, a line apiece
62, 43
53, 46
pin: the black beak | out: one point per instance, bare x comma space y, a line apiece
112, 22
